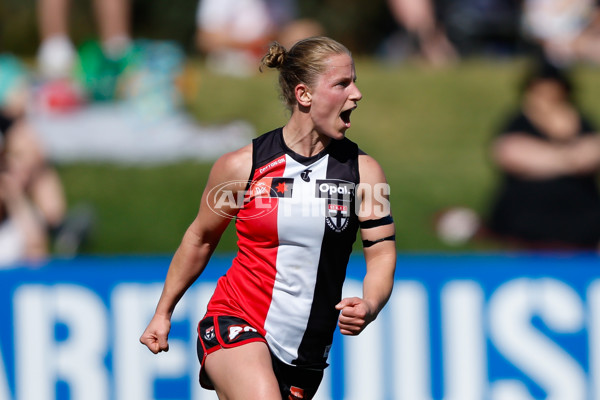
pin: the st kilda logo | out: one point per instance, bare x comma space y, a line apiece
340, 196
209, 333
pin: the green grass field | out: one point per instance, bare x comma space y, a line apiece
427, 127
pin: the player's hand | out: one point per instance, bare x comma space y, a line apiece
155, 337
355, 315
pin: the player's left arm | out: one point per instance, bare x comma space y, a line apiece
378, 236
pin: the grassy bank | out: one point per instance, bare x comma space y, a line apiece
427, 127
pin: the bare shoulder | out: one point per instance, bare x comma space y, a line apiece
235, 165
370, 170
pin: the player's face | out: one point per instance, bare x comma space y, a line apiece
334, 97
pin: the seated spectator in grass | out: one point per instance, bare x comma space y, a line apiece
23, 235
27, 175
33, 206
549, 155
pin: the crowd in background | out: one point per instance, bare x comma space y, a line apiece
565, 31
230, 36
438, 29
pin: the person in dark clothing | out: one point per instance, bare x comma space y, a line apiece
548, 154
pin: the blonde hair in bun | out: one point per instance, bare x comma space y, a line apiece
303, 63
274, 57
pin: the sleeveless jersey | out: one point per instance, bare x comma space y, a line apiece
295, 235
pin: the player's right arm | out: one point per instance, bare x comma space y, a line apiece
199, 242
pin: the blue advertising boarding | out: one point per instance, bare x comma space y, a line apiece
468, 326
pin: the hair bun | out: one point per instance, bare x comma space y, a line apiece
275, 56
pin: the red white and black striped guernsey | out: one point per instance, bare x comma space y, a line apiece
295, 235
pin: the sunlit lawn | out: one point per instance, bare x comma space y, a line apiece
427, 127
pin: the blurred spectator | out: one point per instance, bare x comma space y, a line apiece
23, 233
33, 206
23, 236
234, 34
25, 162
72, 76
443, 31
566, 30
57, 55
484, 26
122, 100
112, 68
420, 21
548, 156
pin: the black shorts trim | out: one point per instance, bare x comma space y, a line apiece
217, 332
222, 332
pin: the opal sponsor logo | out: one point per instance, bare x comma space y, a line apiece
334, 189
368, 201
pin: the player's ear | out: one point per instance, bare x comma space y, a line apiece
303, 95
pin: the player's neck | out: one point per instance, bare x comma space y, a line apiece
302, 139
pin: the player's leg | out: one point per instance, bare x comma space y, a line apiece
295, 382
243, 373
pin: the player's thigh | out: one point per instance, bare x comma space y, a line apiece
243, 372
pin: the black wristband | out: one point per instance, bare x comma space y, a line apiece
372, 223
369, 243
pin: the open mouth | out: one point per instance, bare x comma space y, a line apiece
345, 116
